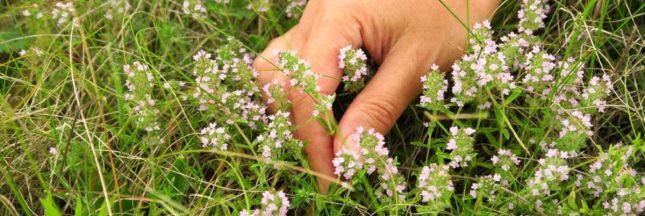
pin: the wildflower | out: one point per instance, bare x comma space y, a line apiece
372, 147
435, 187
213, 82
276, 96
464, 83
194, 8
592, 97
53, 150
514, 46
62, 12
301, 76
278, 135
551, 170
434, 88
461, 146
116, 8
140, 83
353, 63
391, 183
33, 50
539, 67
605, 172
532, 15
627, 201
299, 71
259, 5
215, 137
573, 130
365, 150
273, 204
486, 186
347, 162
323, 106
505, 163
295, 8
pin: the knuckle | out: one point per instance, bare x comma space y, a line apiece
380, 113
298, 97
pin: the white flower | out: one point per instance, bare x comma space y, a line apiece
214, 137
53, 150
194, 8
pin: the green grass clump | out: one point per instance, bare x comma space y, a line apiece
151, 107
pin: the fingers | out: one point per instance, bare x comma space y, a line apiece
319, 42
321, 50
319, 149
393, 87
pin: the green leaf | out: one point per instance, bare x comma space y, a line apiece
585, 207
499, 117
51, 209
78, 210
572, 200
505, 133
516, 93
103, 210
10, 40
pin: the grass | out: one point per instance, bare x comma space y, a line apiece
70, 98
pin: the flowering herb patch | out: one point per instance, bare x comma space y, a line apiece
156, 107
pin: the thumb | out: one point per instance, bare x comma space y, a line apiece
387, 95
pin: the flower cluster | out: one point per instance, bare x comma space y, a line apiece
626, 201
211, 90
574, 109
551, 171
365, 150
273, 204
486, 186
295, 8
33, 50
194, 8
278, 135
140, 83
484, 67
435, 187
324, 105
434, 89
299, 71
348, 161
593, 96
277, 96
392, 183
532, 15
354, 65
505, 163
34, 9
302, 76
117, 8
539, 68
62, 12
208, 76
214, 137
461, 146
259, 5
606, 171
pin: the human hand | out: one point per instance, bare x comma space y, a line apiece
403, 37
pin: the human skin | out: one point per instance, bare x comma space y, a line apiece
405, 37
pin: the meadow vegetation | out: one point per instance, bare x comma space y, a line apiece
128, 107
